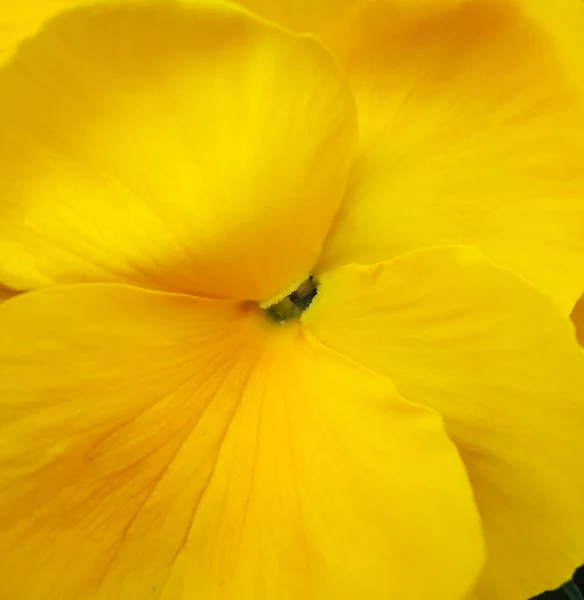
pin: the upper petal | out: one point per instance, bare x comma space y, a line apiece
501, 364
180, 146
167, 447
470, 125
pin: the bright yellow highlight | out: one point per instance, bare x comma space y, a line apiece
171, 168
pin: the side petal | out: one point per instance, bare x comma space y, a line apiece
181, 146
167, 447
501, 364
470, 134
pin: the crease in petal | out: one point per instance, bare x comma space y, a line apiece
469, 125
577, 317
500, 363
178, 146
167, 447
6, 293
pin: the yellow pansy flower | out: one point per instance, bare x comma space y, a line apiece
288, 293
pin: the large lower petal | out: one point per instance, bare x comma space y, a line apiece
181, 146
501, 364
168, 447
471, 126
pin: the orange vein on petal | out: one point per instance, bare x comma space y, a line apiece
168, 447
500, 363
470, 126
178, 146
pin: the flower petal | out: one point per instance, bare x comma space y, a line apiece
498, 360
103, 390
319, 16
329, 485
20, 20
470, 129
182, 147
564, 20
300, 15
160, 446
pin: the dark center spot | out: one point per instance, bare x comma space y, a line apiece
296, 303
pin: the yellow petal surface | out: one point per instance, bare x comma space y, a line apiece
20, 20
183, 147
501, 364
470, 133
121, 381
320, 16
564, 19
300, 15
167, 447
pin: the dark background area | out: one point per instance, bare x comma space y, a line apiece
573, 590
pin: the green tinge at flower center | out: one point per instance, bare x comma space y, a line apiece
293, 305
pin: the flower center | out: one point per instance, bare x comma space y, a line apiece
293, 305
